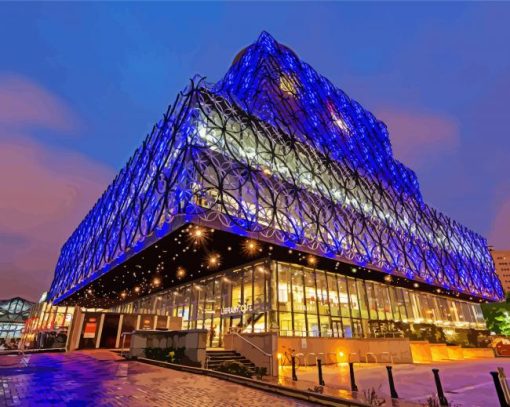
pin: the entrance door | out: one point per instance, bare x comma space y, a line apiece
109, 333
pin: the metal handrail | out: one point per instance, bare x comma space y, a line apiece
123, 335
269, 355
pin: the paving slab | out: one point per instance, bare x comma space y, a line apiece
102, 379
466, 383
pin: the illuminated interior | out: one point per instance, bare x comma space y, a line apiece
296, 300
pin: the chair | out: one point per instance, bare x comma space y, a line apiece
307, 359
387, 356
356, 356
331, 359
300, 357
371, 354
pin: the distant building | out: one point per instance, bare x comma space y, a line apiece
502, 263
13, 314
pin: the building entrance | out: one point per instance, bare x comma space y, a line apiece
233, 324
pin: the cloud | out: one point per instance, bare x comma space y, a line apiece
45, 194
500, 229
45, 190
416, 137
27, 104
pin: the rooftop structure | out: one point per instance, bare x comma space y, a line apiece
13, 314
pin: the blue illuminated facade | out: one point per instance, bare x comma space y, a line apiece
274, 151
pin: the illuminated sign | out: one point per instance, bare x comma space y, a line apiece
90, 328
240, 309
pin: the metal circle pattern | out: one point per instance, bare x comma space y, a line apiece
275, 150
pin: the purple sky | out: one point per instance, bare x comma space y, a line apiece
81, 84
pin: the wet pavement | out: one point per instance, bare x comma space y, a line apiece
101, 378
466, 383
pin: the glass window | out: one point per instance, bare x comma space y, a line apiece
299, 324
408, 305
347, 327
385, 292
284, 288
444, 309
372, 306
313, 325
362, 297
286, 324
380, 302
260, 303
311, 295
427, 307
344, 298
334, 301
353, 296
415, 304
394, 304
298, 294
322, 293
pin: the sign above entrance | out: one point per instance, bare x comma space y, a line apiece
240, 309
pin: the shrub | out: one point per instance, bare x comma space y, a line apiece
260, 372
372, 398
172, 355
235, 368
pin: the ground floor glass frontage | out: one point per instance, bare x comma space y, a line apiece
47, 326
301, 301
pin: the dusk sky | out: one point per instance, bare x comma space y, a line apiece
81, 85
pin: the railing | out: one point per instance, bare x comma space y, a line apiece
268, 355
124, 334
394, 334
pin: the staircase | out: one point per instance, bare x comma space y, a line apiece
215, 357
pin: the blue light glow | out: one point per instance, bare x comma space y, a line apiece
274, 149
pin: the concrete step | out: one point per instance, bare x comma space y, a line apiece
221, 352
217, 357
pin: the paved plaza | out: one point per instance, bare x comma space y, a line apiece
101, 379
466, 383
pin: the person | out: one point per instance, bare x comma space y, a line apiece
212, 334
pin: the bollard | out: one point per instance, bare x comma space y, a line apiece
393, 392
353, 381
319, 368
504, 384
440, 394
294, 376
499, 390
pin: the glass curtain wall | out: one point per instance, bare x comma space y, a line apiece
236, 300
302, 301
314, 302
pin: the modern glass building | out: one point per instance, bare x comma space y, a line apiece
271, 202
297, 300
13, 314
